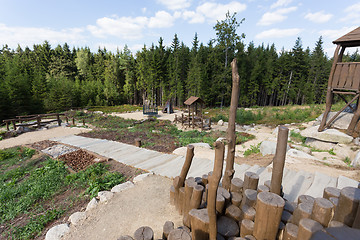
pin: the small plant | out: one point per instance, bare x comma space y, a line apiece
252, 150
331, 151
347, 161
297, 137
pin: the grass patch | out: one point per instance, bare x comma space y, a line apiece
252, 150
28, 186
347, 161
297, 137
120, 109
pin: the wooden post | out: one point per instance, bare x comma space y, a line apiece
322, 211
233, 212
58, 119
193, 116
83, 122
247, 212
214, 180
182, 119
38, 120
231, 136
168, 227
306, 198
137, 142
144, 233
246, 227
189, 186
279, 160
356, 223
66, 119
14, 124
199, 224
331, 192
236, 185
269, 207
249, 198
189, 115
7, 126
73, 121
251, 181
179, 180
347, 207
307, 227
179, 234
196, 197
291, 231
303, 210
236, 198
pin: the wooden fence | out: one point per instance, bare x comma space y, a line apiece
37, 120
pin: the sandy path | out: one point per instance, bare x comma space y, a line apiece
147, 204
36, 136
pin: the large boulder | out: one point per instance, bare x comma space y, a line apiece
299, 154
356, 161
269, 147
328, 135
341, 122
318, 144
57, 232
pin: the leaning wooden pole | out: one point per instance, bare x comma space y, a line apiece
214, 180
279, 160
229, 171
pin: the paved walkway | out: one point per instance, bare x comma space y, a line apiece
169, 165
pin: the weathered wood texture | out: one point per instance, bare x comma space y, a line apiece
144, 233
291, 231
307, 227
167, 228
251, 181
246, 227
348, 204
322, 211
231, 136
179, 234
227, 227
303, 210
199, 224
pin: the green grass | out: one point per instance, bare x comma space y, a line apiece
297, 137
252, 150
347, 161
119, 109
28, 185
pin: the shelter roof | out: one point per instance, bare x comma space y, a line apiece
351, 39
191, 100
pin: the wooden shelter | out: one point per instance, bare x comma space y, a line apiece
195, 106
344, 79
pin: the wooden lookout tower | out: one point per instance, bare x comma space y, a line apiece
195, 106
344, 79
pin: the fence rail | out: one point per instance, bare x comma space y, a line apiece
41, 120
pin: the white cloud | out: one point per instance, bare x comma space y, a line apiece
334, 34
176, 4
277, 16
280, 3
352, 13
211, 11
124, 27
162, 19
28, 36
279, 33
318, 17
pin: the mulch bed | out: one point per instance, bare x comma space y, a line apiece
78, 160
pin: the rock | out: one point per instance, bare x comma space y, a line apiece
221, 139
269, 147
328, 135
57, 232
204, 145
220, 122
141, 177
341, 122
122, 187
318, 144
19, 130
356, 141
77, 217
92, 204
299, 154
105, 196
356, 161
58, 150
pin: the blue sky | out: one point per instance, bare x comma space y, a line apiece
114, 23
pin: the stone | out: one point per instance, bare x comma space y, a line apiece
200, 144
141, 177
299, 154
318, 144
58, 150
92, 204
221, 139
328, 135
57, 232
220, 122
356, 161
269, 147
105, 196
122, 187
77, 218
341, 122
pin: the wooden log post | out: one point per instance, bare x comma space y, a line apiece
279, 160
180, 201
179, 180
269, 207
73, 121
66, 119
204, 179
303, 210
38, 121
227, 227
144, 233
125, 237
356, 223
331, 192
233, 212
306, 198
83, 122
348, 204
307, 227
249, 198
196, 197
199, 224
263, 188
137, 142
247, 213
291, 231
251, 181
214, 180
231, 136
246, 227
189, 186
322, 211
7, 126
167, 228
58, 119
236, 198
179, 234
236, 185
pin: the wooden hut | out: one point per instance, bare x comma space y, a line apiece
344, 79
195, 106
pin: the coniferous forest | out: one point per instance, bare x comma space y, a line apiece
49, 79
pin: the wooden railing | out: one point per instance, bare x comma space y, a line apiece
37, 120
346, 76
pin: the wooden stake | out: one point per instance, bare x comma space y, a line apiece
199, 224
236, 198
137, 142
168, 227
236, 185
247, 213
196, 197
249, 198
331, 192
144, 233
291, 231
233, 212
269, 207
279, 160
251, 181
246, 227
179, 234
306, 198
214, 180
303, 210
347, 207
307, 227
189, 186
231, 136
322, 211
227, 227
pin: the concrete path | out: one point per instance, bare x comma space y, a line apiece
169, 165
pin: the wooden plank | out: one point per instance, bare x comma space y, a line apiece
356, 77
343, 75
336, 76
350, 77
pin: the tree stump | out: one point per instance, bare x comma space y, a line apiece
233, 212
236, 185
306, 198
285, 217
290, 207
236, 198
303, 210
263, 188
348, 204
246, 227
307, 227
144, 233
179, 234
125, 237
269, 208
249, 198
291, 232
251, 181
247, 213
322, 211
227, 227
168, 227
199, 224
172, 195
331, 192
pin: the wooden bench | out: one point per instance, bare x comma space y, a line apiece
38, 120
